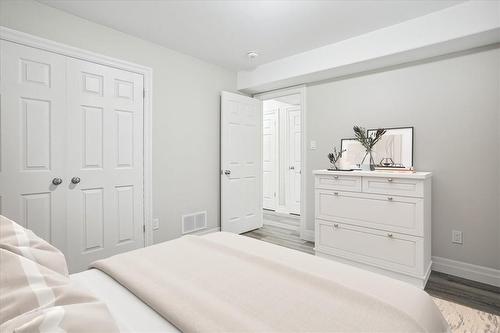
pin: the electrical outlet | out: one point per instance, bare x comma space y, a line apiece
156, 223
457, 237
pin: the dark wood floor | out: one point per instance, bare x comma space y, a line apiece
454, 289
473, 294
283, 237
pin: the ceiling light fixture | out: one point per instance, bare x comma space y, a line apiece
252, 55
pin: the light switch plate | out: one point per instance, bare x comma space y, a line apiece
313, 144
457, 237
156, 223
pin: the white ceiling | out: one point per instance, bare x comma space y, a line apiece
221, 32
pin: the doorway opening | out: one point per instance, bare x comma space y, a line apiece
282, 160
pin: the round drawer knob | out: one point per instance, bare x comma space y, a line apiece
389, 235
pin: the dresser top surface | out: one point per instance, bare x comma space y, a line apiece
392, 174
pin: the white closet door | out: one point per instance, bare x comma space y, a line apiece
269, 157
241, 161
105, 151
294, 160
32, 145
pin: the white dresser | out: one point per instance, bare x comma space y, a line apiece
380, 221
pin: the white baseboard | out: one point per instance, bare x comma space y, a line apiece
205, 231
307, 235
281, 225
467, 271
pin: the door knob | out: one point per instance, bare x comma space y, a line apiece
292, 167
57, 181
75, 180
227, 172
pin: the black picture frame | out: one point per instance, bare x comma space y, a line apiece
342, 146
355, 164
412, 130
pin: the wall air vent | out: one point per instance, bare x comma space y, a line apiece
194, 222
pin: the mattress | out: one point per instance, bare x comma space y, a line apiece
129, 312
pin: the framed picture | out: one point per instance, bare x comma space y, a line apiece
395, 148
354, 153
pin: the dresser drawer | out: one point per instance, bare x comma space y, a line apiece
390, 213
394, 186
387, 250
338, 182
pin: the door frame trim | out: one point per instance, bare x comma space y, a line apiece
147, 72
301, 89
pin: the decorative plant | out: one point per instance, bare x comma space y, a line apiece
368, 141
334, 157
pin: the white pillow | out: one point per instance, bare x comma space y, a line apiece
34, 298
24, 242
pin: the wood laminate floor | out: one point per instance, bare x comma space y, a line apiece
283, 237
471, 294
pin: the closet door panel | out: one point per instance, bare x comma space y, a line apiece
105, 210
32, 141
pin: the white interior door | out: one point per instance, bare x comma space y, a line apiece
241, 163
294, 160
105, 153
269, 157
32, 145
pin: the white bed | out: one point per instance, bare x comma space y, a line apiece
219, 282
129, 312
132, 314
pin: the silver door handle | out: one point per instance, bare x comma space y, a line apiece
292, 167
227, 172
57, 181
75, 180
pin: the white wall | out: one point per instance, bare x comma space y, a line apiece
454, 105
185, 108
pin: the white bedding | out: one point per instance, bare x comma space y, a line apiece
226, 282
129, 312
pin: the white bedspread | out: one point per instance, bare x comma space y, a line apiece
228, 283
